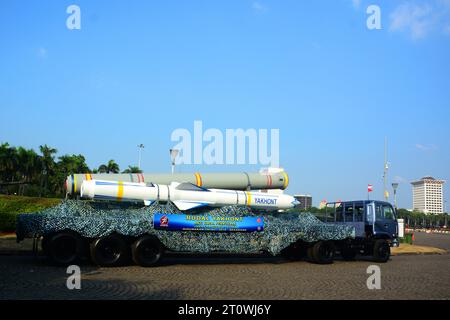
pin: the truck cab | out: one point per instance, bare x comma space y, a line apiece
375, 223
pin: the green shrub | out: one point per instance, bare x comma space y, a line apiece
11, 206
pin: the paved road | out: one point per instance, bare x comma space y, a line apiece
432, 240
23, 276
404, 277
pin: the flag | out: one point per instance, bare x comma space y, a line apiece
369, 188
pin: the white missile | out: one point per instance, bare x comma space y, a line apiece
185, 196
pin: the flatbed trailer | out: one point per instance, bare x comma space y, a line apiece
116, 234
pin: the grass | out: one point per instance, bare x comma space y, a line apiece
11, 206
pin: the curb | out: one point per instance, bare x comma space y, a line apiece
417, 253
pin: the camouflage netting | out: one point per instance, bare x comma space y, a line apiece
96, 219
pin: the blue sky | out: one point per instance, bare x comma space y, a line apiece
137, 70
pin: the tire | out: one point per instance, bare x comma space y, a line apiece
294, 252
63, 248
309, 254
381, 251
323, 252
348, 253
147, 251
44, 244
109, 251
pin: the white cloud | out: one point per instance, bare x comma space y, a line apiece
413, 19
42, 53
423, 147
420, 20
259, 7
399, 179
356, 3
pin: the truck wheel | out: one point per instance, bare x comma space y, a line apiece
381, 251
294, 252
147, 251
323, 252
109, 251
44, 244
309, 254
63, 248
348, 253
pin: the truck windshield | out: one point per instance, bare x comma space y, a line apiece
388, 212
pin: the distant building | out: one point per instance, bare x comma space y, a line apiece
305, 201
428, 195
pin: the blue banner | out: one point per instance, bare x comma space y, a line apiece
186, 222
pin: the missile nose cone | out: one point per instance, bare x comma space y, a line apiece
295, 203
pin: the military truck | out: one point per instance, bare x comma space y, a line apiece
112, 234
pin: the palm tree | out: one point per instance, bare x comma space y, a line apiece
132, 169
111, 167
27, 167
67, 165
4, 161
48, 163
8, 162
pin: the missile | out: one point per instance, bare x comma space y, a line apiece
184, 196
232, 181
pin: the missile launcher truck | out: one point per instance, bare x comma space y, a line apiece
140, 217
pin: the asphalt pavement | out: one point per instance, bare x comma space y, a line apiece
23, 276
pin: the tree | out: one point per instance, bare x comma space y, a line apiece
67, 165
132, 169
48, 163
8, 162
111, 167
28, 167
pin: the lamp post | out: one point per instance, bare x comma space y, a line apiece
173, 157
140, 146
395, 186
445, 213
386, 168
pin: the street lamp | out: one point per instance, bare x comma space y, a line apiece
140, 146
445, 213
173, 157
395, 186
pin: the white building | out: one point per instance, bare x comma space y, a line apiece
428, 195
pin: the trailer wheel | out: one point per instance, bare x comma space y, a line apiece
147, 251
294, 252
44, 244
381, 251
109, 251
63, 248
322, 252
348, 253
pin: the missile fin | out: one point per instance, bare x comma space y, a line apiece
187, 205
190, 187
